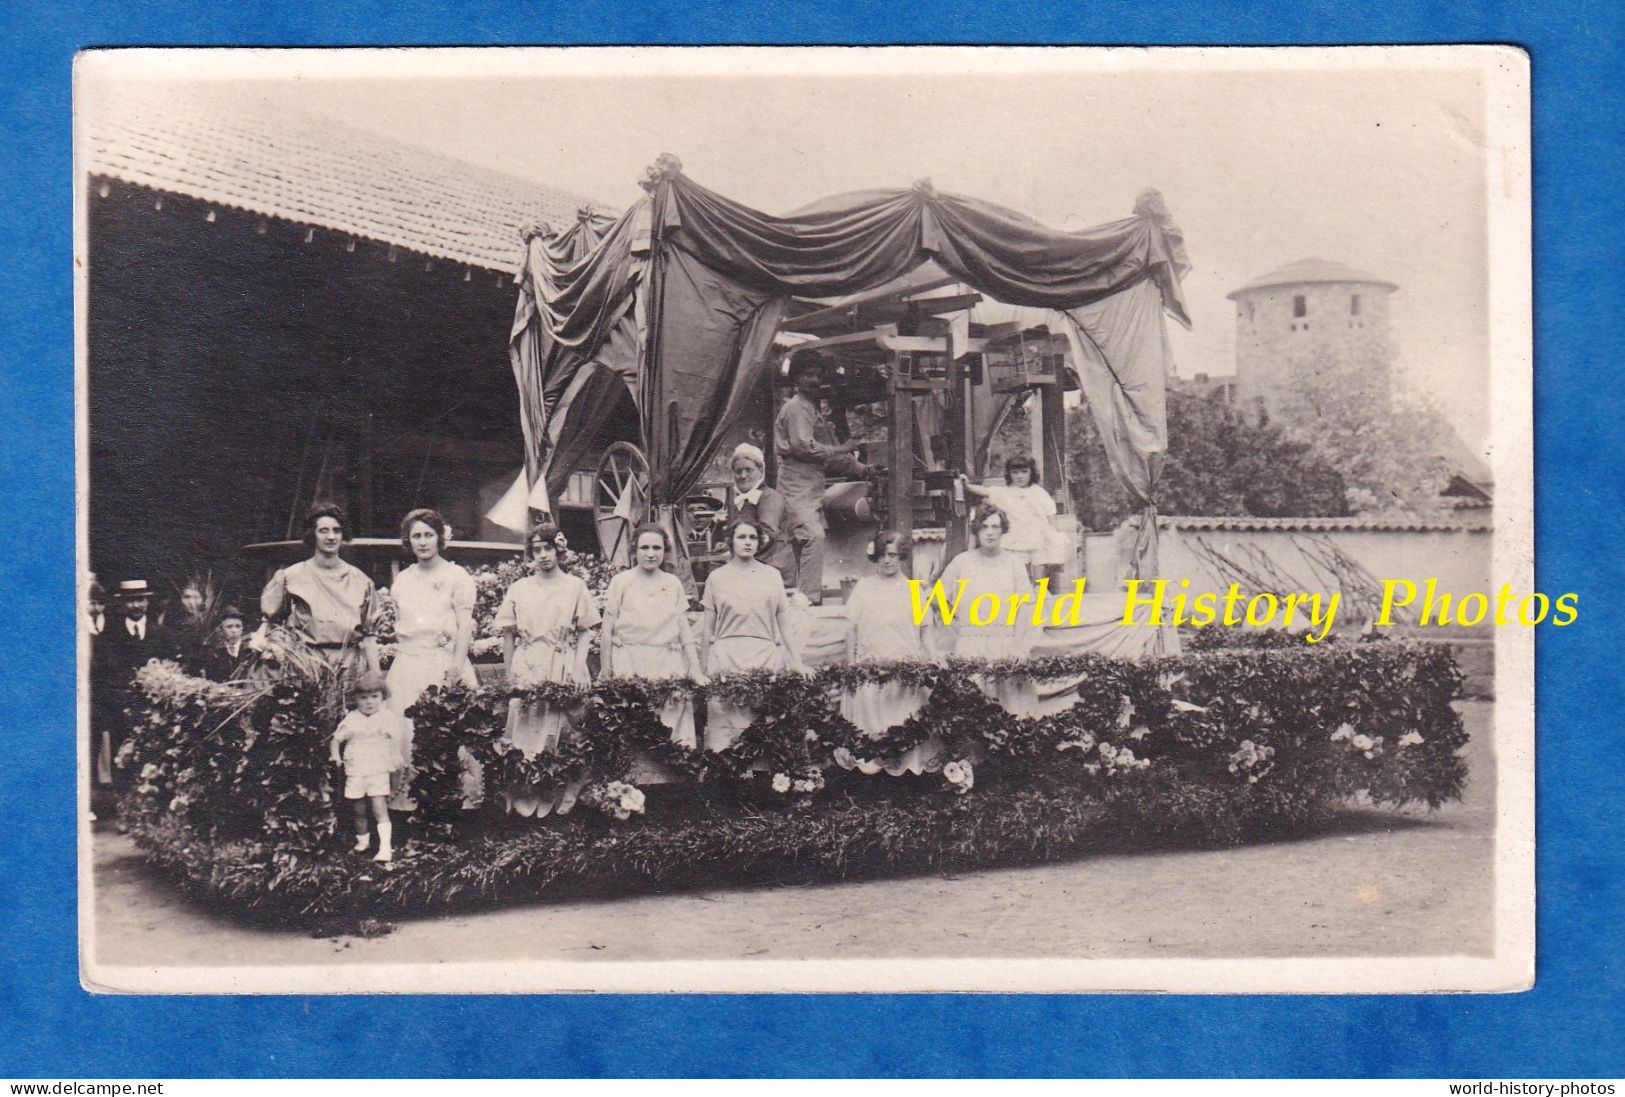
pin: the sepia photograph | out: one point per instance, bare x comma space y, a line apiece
882, 520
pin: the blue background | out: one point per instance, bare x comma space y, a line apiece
1569, 1025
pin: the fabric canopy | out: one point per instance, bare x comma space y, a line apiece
679, 301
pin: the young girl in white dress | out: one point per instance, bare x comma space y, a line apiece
646, 632
434, 626
1030, 510
546, 621
744, 628
880, 628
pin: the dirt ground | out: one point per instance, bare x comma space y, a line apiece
1379, 883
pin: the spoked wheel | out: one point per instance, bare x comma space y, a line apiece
621, 500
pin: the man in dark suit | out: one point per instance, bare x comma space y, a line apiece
131, 641
225, 655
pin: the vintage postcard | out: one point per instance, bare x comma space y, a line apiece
806, 519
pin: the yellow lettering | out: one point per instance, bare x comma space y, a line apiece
1390, 603
1327, 622
1429, 605
1462, 612
1523, 608
989, 599
1569, 604
1016, 602
1253, 618
1073, 614
1204, 609
1133, 601
922, 606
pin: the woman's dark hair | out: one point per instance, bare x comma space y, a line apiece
324, 508
654, 528
983, 513
890, 538
733, 528
430, 518
541, 531
1021, 463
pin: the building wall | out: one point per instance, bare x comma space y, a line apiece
1459, 560
1272, 340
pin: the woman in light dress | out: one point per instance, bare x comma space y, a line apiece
744, 628
325, 602
646, 632
880, 627
546, 622
434, 626
988, 569
1031, 511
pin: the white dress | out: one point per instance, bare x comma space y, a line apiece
651, 615
429, 607
880, 615
746, 601
1002, 574
546, 617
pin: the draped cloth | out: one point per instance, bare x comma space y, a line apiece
680, 299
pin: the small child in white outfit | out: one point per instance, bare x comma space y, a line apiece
369, 743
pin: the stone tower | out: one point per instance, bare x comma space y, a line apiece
1311, 315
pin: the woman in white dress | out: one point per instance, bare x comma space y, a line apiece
744, 628
988, 569
546, 621
434, 626
646, 632
880, 627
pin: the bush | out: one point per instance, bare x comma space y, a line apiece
1211, 748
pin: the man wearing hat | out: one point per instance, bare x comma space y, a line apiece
131, 641
807, 450
103, 686
230, 651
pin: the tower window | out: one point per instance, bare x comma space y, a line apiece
1354, 305
1300, 307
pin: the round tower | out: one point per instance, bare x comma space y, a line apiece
1311, 316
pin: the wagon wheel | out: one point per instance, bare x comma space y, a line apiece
621, 500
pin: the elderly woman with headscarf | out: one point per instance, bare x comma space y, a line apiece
750, 498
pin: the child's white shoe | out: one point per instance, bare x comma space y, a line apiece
361, 842
384, 854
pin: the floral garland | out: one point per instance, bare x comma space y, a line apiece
1296, 727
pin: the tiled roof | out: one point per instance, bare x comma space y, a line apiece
1311, 271
227, 146
1463, 524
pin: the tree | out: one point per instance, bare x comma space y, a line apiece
1218, 463
1389, 457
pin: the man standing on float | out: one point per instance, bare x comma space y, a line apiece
806, 448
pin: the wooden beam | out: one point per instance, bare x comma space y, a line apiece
900, 455
856, 303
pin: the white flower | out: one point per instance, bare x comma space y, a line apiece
1344, 731
1362, 742
781, 782
1411, 739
